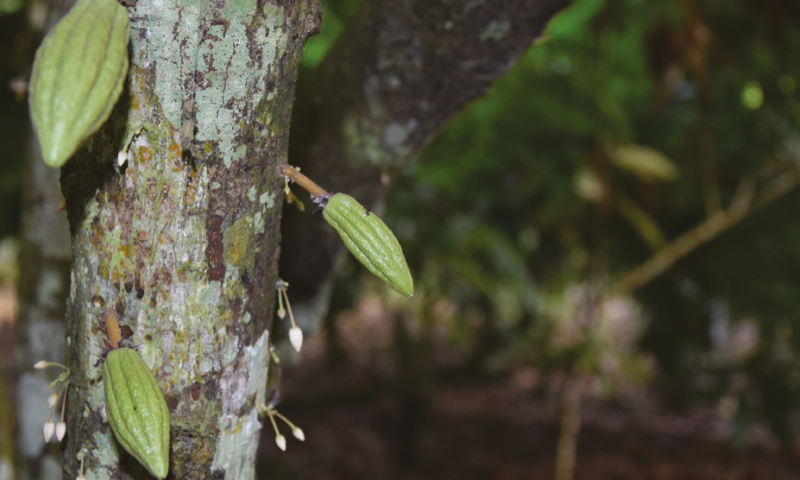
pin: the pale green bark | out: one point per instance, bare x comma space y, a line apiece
183, 240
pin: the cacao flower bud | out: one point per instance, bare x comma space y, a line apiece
370, 241
61, 430
280, 440
296, 338
137, 411
49, 429
77, 76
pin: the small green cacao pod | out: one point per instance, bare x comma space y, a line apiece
136, 410
77, 76
370, 240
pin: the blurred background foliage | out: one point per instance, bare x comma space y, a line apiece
629, 124
16, 54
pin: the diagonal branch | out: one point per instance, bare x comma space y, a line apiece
745, 203
399, 72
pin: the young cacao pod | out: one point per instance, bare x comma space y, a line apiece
78, 73
136, 410
370, 241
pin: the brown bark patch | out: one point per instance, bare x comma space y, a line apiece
214, 251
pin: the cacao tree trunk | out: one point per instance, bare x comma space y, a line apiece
182, 241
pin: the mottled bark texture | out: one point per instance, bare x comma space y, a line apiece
182, 241
398, 73
44, 263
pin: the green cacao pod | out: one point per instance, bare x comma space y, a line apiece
370, 241
136, 410
77, 76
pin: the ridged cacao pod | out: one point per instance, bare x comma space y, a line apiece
370, 241
136, 410
78, 74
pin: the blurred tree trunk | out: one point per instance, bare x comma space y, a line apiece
567, 448
7, 470
43, 287
182, 241
398, 73
44, 265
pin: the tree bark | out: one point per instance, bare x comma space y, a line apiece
398, 73
182, 241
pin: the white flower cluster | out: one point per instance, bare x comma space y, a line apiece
60, 385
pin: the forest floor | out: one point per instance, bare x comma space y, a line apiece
499, 428
361, 422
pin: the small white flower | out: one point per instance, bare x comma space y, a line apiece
51, 400
296, 337
40, 365
281, 313
298, 434
61, 430
281, 441
49, 429
122, 157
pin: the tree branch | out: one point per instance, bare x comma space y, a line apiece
745, 203
399, 72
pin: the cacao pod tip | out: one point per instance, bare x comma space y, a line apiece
406, 288
52, 156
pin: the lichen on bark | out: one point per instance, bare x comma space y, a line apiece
178, 241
